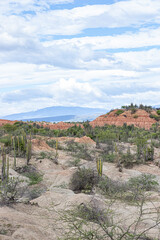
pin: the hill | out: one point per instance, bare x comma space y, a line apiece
139, 118
58, 113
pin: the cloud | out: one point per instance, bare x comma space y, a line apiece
24, 95
101, 71
18, 6
47, 21
142, 38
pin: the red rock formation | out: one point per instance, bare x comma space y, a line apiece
59, 125
3, 122
139, 119
85, 140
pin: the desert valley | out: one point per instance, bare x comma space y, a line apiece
86, 180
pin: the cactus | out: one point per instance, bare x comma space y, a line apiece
56, 149
7, 173
117, 156
3, 166
18, 142
29, 150
99, 167
14, 146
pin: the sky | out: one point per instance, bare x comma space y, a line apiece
89, 53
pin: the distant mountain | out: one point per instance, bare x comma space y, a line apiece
58, 113
64, 118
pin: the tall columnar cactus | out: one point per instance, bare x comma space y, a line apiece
99, 167
24, 141
3, 166
29, 149
18, 142
56, 148
7, 173
117, 155
14, 147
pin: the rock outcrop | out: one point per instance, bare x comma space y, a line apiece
3, 122
140, 118
60, 125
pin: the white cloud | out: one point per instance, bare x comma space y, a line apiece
142, 38
73, 21
38, 71
18, 6
122, 14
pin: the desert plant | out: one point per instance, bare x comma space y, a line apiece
86, 222
133, 110
156, 117
158, 112
29, 150
31, 172
99, 167
56, 156
51, 143
112, 188
108, 157
75, 162
9, 191
119, 112
14, 146
34, 177
144, 182
83, 180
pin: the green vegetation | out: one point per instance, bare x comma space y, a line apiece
135, 107
123, 146
119, 112
102, 224
83, 180
157, 118
34, 177
29, 171
79, 150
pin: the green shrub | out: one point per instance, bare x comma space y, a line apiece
43, 155
9, 191
127, 159
51, 143
131, 191
34, 177
108, 157
158, 112
157, 118
75, 162
83, 180
112, 188
91, 212
133, 110
118, 112
144, 182
31, 172
79, 150
6, 141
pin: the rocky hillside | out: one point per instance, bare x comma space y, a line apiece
3, 122
140, 118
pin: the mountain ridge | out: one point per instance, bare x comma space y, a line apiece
56, 111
